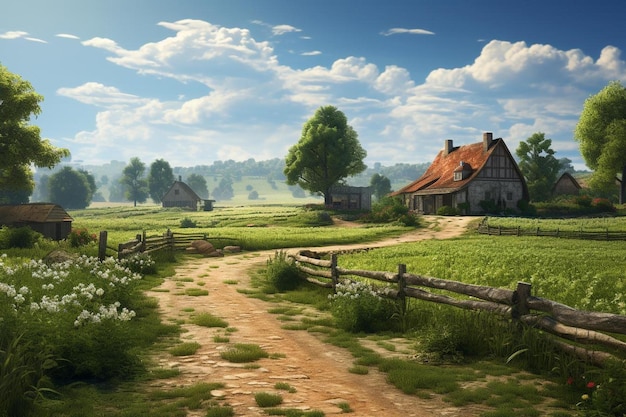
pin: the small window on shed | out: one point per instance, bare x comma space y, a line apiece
487, 195
176, 192
509, 196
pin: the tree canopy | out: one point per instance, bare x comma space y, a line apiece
160, 179
328, 151
198, 184
381, 186
538, 165
71, 188
20, 143
601, 133
136, 184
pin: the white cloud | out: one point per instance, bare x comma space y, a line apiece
510, 89
282, 29
13, 35
311, 53
396, 31
66, 36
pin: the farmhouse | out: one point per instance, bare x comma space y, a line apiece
468, 178
51, 220
181, 195
566, 185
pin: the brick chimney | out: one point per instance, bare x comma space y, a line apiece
447, 146
487, 139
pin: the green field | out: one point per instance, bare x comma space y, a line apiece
97, 314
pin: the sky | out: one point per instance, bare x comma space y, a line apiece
195, 81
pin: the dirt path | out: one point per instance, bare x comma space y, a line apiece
318, 371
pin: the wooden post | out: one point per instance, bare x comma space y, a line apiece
333, 271
102, 245
401, 289
120, 248
520, 300
143, 241
518, 230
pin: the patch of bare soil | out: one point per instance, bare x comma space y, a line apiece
318, 371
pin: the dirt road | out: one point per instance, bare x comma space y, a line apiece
317, 371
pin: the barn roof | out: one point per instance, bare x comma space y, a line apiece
33, 213
439, 177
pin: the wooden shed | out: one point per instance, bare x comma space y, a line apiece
181, 195
346, 197
49, 219
566, 185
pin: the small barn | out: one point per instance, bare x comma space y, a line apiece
49, 219
465, 177
566, 185
181, 195
345, 197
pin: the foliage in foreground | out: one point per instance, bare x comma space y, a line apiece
80, 319
282, 273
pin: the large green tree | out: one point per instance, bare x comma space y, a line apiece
71, 188
327, 153
601, 133
21, 144
381, 186
160, 179
134, 181
197, 183
538, 165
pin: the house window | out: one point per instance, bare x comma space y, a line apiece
458, 176
509, 196
487, 195
176, 192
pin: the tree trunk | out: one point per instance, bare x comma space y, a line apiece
328, 198
622, 186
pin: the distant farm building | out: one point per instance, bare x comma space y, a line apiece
351, 198
181, 195
566, 185
51, 220
465, 176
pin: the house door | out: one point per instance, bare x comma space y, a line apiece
429, 204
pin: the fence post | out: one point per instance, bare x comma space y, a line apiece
401, 289
102, 245
120, 248
520, 300
334, 274
143, 241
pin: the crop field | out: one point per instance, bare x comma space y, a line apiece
592, 224
587, 275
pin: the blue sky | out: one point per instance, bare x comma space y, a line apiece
194, 81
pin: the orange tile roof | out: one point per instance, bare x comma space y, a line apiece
439, 177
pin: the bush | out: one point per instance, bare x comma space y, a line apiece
583, 200
358, 307
447, 211
187, 223
140, 263
603, 205
282, 273
388, 210
81, 237
19, 237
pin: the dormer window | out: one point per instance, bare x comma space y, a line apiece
463, 171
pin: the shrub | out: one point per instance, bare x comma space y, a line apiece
282, 273
244, 352
266, 399
18, 237
447, 211
388, 210
81, 237
187, 223
358, 307
583, 200
603, 205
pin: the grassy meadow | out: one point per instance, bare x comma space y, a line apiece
96, 314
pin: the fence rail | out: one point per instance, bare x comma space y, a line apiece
567, 323
485, 229
149, 244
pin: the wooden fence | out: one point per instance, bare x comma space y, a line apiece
149, 244
485, 229
581, 327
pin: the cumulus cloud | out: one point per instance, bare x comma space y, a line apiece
511, 88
